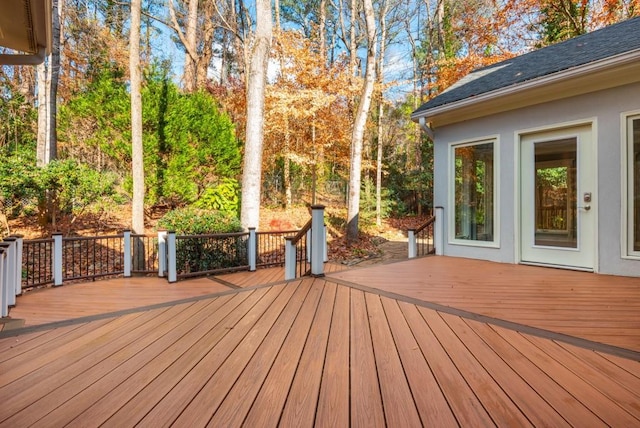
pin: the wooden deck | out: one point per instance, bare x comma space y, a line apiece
600, 308
330, 351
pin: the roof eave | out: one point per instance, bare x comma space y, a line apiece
468, 108
40, 21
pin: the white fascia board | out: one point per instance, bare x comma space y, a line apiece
533, 84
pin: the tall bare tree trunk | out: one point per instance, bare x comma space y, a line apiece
190, 35
256, 83
287, 166
359, 127
137, 153
208, 34
323, 30
48, 73
353, 48
383, 45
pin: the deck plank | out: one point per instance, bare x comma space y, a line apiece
607, 410
366, 401
267, 407
600, 308
187, 330
496, 402
252, 357
47, 378
103, 296
167, 410
80, 393
78, 339
536, 409
333, 401
229, 314
331, 352
18, 345
573, 411
301, 404
430, 401
465, 405
627, 400
294, 321
399, 406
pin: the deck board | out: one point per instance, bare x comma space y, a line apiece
333, 399
429, 398
600, 308
300, 407
399, 406
559, 399
366, 401
315, 351
607, 410
465, 405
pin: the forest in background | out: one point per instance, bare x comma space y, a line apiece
66, 132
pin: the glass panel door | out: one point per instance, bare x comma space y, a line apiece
555, 193
557, 203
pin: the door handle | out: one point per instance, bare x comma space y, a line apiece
586, 207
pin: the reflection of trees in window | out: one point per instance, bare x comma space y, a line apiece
636, 184
474, 192
551, 188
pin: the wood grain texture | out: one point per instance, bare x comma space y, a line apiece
315, 352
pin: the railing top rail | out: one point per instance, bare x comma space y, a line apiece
90, 238
426, 224
213, 235
279, 232
301, 233
144, 235
38, 241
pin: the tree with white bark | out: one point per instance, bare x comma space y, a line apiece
357, 138
137, 152
260, 46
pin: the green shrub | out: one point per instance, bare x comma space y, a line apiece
223, 197
194, 221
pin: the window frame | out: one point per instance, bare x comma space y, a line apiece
627, 222
451, 220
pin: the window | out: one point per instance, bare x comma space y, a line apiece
474, 205
633, 180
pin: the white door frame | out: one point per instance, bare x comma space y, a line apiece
565, 127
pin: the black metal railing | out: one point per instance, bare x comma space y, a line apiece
144, 252
424, 236
91, 257
271, 247
207, 254
37, 263
302, 250
88, 258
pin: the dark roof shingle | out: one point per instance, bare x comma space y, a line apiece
600, 44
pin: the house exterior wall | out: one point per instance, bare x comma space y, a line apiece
604, 110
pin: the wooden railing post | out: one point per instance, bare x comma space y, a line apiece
289, 258
413, 245
127, 253
19, 243
172, 274
10, 267
317, 240
4, 285
57, 259
325, 250
162, 253
252, 249
438, 231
